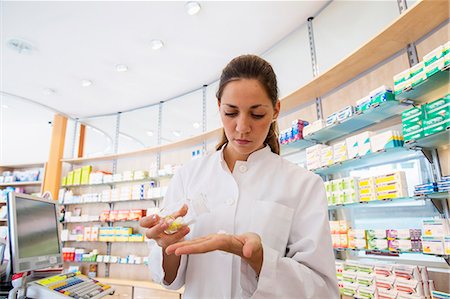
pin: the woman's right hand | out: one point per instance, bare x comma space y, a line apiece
155, 227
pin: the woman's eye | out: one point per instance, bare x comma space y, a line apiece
230, 114
258, 116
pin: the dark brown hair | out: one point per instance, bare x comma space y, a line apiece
252, 67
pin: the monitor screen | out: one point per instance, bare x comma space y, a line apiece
37, 228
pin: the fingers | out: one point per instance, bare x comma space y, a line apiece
166, 239
156, 230
189, 244
181, 212
149, 221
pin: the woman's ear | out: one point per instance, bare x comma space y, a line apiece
276, 110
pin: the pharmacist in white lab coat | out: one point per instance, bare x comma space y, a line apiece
262, 230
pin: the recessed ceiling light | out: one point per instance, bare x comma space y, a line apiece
5, 106
157, 44
86, 83
49, 91
150, 133
196, 125
192, 7
121, 68
20, 46
176, 133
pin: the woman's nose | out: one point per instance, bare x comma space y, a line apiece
243, 125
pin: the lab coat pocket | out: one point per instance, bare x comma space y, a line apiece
272, 221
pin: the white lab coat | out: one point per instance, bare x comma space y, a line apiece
282, 202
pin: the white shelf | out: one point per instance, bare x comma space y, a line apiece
17, 184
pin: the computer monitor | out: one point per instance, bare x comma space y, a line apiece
33, 232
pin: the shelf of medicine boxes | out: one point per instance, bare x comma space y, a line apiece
105, 222
109, 202
360, 120
17, 184
296, 146
121, 182
431, 83
389, 202
371, 159
438, 140
388, 252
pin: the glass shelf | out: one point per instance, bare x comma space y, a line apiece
438, 140
378, 252
371, 159
86, 262
296, 146
120, 182
385, 202
115, 201
359, 121
437, 80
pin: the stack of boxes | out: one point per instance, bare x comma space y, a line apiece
376, 239
314, 127
119, 234
122, 215
367, 190
375, 97
427, 119
79, 176
432, 63
404, 240
326, 156
436, 236
357, 239
339, 231
356, 279
444, 184
294, 133
424, 189
342, 191
314, 156
392, 185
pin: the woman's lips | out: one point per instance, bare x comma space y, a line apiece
242, 141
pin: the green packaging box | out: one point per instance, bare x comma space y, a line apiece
402, 77
437, 104
411, 128
413, 135
417, 69
77, 176
443, 112
435, 67
419, 78
85, 173
412, 112
436, 127
384, 97
70, 178
433, 55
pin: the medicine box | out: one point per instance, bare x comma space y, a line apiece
412, 113
415, 135
419, 78
388, 139
436, 128
393, 177
401, 87
437, 228
313, 127
357, 243
382, 97
364, 143
432, 245
438, 107
391, 195
402, 77
340, 152
376, 234
434, 67
416, 69
345, 113
433, 55
363, 104
327, 156
352, 146
367, 183
356, 233
377, 244
331, 119
447, 245
85, 174
364, 279
77, 176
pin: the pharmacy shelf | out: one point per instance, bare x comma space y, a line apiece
296, 146
438, 140
371, 159
140, 242
111, 202
433, 82
22, 166
85, 262
377, 252
439, 195
17, 184
378, 203
359, 121
121, 182
106, 222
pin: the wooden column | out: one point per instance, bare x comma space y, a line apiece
81, 141
52, 178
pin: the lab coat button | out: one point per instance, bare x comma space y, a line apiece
242, 168
230, 201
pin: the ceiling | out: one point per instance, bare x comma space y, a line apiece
72, 41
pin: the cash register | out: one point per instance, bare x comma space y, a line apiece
34, 243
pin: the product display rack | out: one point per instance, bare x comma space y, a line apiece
147, 180
111, 202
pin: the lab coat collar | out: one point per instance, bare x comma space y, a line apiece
255, 156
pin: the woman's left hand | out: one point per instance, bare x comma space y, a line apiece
248, 246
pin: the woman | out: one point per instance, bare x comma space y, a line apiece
266, 232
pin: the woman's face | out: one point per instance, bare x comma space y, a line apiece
246, 112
